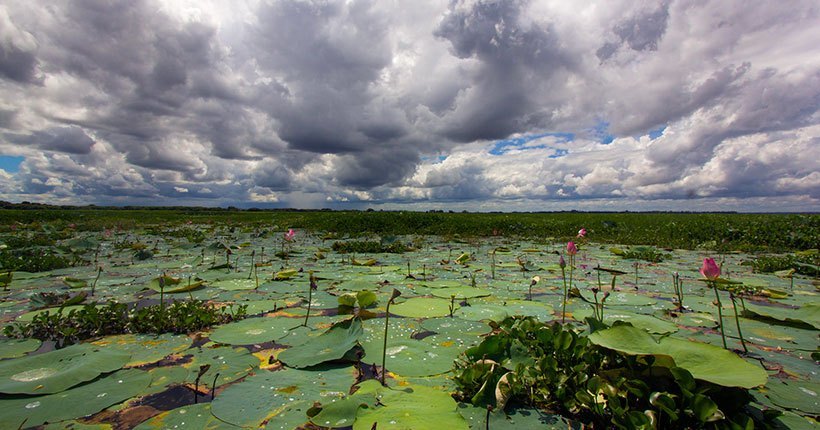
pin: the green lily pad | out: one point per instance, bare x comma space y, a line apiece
511, 419
646, 322
254, 330
410, 357
77, 402
455, 326
483, 312
235, 284
281, 398
145, 349
542, 311
461, 293
801, 395
411, 408
58, 370
703, 361
807, 314
696, 319
197, 416
422, 307
330, 345
230, 363
13, 348
358, 284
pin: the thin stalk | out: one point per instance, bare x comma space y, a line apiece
312, 287
564, 305
492, 265
720, 313
737, 321
94, 285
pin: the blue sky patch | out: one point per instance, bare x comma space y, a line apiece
11, 163
601, 132
503, 146
656, 133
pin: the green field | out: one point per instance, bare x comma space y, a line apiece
215, 319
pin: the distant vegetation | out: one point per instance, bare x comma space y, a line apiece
716, 231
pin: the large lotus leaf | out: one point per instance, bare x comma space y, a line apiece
281, 398
145, 349
410, 357
706, 362
358, 284
461, 293
807, 314
696, 319
801, 395
254, 330
80, 401
58, 370
511, 419
455, 327
13, 348
796, 422
330, 345
620, 298
646, 322
260, 306
787, 338
399, 328
484, 312
197, 417
342, 412
235, 284
76, 425
442, 283
422, 307
411, 408
230, 363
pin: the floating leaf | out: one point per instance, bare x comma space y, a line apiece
13, 348
801, 395
197, 416
286, 274
58, 370
422, 307
461, 293
145, 349
411, 408
174, 285
807, 314
330, 345
646, 322
77, 402
282, 398
703, 361
254, 330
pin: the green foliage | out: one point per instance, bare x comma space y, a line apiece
804, 263
116, 318
552, 367
32, 260
369, 247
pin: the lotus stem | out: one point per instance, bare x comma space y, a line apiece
94, 285
720, 313
737, 321
310, 296
395, 294
564, 304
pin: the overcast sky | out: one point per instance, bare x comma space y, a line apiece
422, 104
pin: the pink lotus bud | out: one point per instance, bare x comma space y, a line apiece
562, 262
571, 248
290, 235
582, 232
710, 270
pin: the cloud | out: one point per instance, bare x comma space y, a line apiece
364, 103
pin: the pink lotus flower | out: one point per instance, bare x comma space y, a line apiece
571, 248
710, 270
582, 232
290, 235
561, 262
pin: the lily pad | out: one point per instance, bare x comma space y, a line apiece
461, 293
58, 370
254, 330
801, 395
330, 345
145, 349
230, 363
422, 307
703, 361
76, 402
13, 348
807, 314
235, 284
281, 398
411, 408
646, 322
197, 416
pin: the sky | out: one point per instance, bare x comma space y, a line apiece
480, 105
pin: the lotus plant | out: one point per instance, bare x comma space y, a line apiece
533, 281
677, 284
313, 286
396, 293
563, 264
711, 273
571, 251
582, 233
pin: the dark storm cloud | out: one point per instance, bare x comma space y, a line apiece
72, 140
17, 64
640, 32
516, 58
